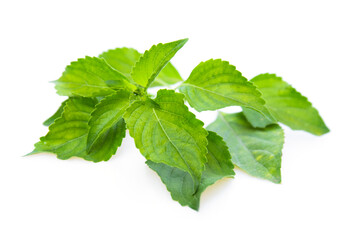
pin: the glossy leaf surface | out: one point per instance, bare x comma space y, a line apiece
123, 60
165, 131
67, 136
106, 115
153, 61
216, 84
88, 77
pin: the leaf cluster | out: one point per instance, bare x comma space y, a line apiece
107, 95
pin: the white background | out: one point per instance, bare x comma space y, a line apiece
314, 45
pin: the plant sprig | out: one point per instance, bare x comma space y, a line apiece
108, 95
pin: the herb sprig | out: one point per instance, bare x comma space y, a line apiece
108, 95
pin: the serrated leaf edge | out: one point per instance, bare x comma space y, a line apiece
203, 150
154, 75
251, 85
273, 179
88, 145
298, 95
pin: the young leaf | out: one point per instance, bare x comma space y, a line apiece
256, 119
153, 60
67, 135
168, 76
287, 105
107, 114
165, 131
256, 151
180, 183
216, 84
56, 115
123, 60
87, 77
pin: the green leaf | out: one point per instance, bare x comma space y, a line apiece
107, 114
68, 134
256, 119
216, 84
219, 163
168, 76
153, 60
180, 183
123, 60
88, 77
165, 131
56, 115
287, 105
256, 151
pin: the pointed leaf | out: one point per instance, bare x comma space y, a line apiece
153, 60
56, 115
107, 114
216, 84
256, 151
67, 135
180, 183
287, 105
168, 76
165, 131
87, 77
123, 60
256, 119
219, 163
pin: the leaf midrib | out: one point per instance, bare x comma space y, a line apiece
218, 94
167, 136
237, 137
107, 126
156, 73
242, 143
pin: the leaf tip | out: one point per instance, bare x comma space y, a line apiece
35, 151
185, 40
275, 178
324, 130
195, 207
